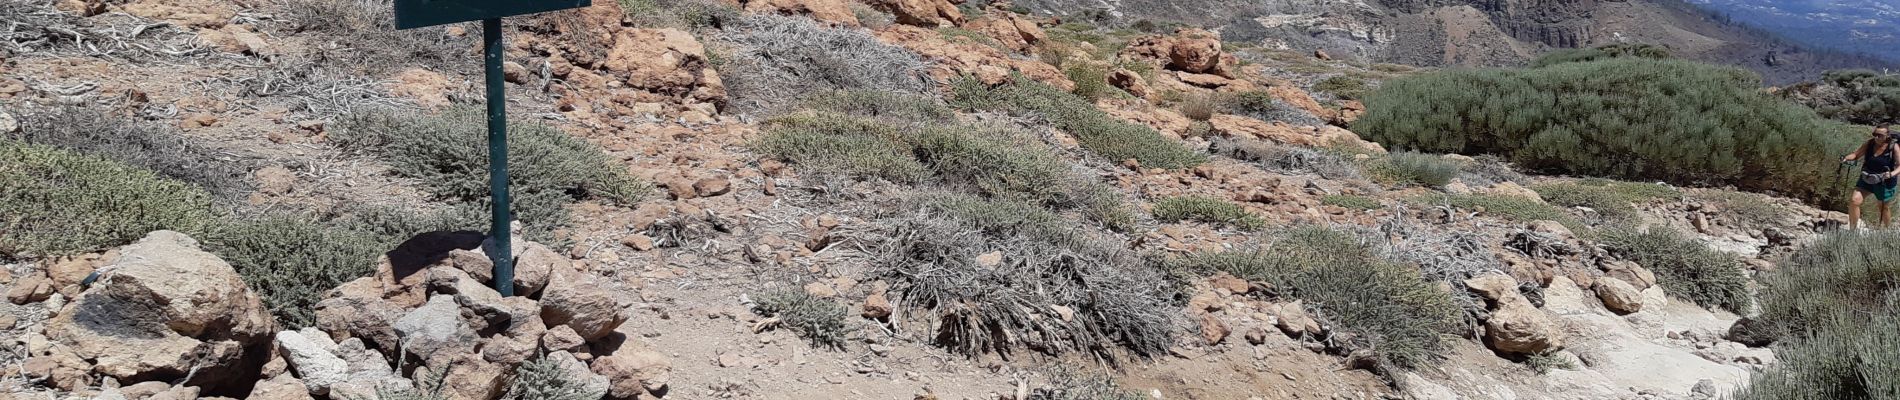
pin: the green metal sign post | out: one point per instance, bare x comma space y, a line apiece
421, 13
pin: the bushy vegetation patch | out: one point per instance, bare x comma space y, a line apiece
367, 27
902, 139
58, 202
1097, 131
1091, 80
1686, 268
1203, 106
1836, 310
1414, 169
1748, 210
818, 320
1615, 200
138, 144
1345, 87
1509, 207
1394, 311
1066, 384
1055, 289
544, 378
1857, 96
1351, 202
1637, 50
447, 155
1629, 118
1291, 159
776, 59
291, 261
1206, 209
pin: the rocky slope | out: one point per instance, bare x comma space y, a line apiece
661, 299
1478, 33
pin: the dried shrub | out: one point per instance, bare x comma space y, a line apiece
58, 202
1510, 207
1615, 200
1748, 210
140, 144
1395, 313
1095, 130
1203, 106
1056, 290
1686, 268
818, 320
367, 28
777, 58
1207, 209
1091, 80
1291, 159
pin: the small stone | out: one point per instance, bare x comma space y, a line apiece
710, 187
1232, 284
990, 259
877, 306
821, 290
638, 242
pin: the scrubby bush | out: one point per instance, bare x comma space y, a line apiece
1290, 159
1065, 384
544, 378
1351, 202
1395, 312
778, 58
1857, 96
1635, 119
1409, 168
1686, 268
818, 320
894, 106
1206, 209
1510, 207
58, 202
1834, 307
447, 155
1091, 80
1638, 50
1254, 103
1203, 106
1543, 363
1748, 210
1095, 130
1615, 200
896, 140
291, 261
1047, 266
1345, 87
140, 144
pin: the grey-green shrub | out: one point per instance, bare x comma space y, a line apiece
1615, 200
291, 261
1206, 209
1639, 50
1351, 202
778, 59
1091, 80
544, 378
58, 202
1097, 131
1686, 268
1510, 207
447, 155
1409, 168
1629, 118
818, 320
1343, 86
1836, 310
146, 145
888, 141
1398, 314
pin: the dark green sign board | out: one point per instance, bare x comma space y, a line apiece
421, 13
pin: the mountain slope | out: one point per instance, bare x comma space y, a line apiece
1868, 26
1479, 32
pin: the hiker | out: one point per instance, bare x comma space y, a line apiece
1877, 174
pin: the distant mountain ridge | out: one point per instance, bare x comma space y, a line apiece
1481, 32
1861, 26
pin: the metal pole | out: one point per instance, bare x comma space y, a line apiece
498, 158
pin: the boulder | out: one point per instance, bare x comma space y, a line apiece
1189, 50
282, 387
667, 62
436, 331
472, 378
924, 13
32, 288
1752, 333
877, 306
1293, 320
1129, 81
1495, 288
578, 371
165, 310
561, 337
1619, 296
634, 372
60, 368
357, 310
317, 365
1521, 328
579, 301
1211, 328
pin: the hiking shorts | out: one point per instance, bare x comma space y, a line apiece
1882, 191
